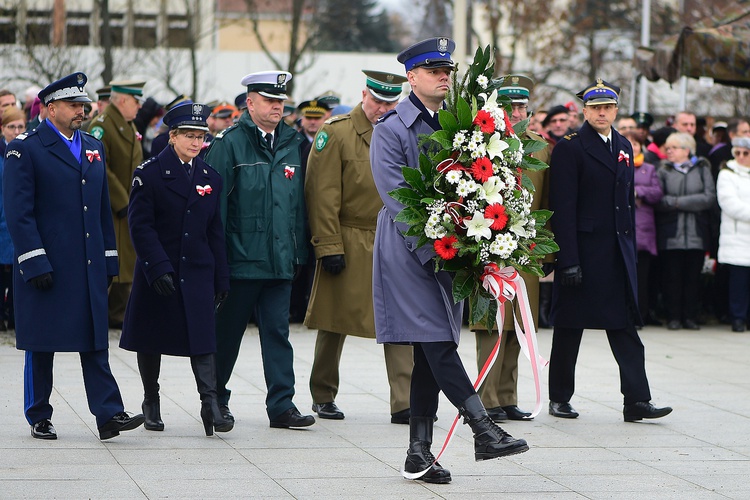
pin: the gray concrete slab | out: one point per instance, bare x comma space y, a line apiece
701, 450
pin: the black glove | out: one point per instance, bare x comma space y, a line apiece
219, 299
333, 264
164, 285
42, 282
548, 267
122, 213
571, 276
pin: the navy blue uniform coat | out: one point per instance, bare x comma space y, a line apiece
59, 219
593, 199
175, 230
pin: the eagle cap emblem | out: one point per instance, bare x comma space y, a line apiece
281, 79
442, 45
197, 109
514, 80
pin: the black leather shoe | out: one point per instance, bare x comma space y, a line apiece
738, 325
292, 418
690, 324
43, 430
224, 409
674, 325
562, 410
643, 409
328, 410
401, 417
497, 414
120, 422
515, 413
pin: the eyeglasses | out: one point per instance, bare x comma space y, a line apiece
519, 107
741, 154
195, 137
15, 127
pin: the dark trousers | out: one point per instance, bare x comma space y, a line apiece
644, 269
629, 353
101, 388
739, 291
270, 301
437, 367
682, 283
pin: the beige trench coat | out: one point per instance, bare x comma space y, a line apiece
123, 153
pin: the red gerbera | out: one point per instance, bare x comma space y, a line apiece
508, 126
485, 121
444, 247
481, 169
496, 212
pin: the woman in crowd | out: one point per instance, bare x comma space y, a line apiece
181, 274
13, 123
733, 191
647, 195
683, 228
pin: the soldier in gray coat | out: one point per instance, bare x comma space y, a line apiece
413, 304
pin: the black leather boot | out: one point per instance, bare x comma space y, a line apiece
490, 440
419, 457
204, 369
149, 366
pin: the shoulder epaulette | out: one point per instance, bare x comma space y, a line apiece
101, 117
24, 135
337, 118
570, 136
225, 131
150, 160
389, 113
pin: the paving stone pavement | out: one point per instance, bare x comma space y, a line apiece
701, 450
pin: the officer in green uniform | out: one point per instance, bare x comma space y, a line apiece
499, 391
343, 206
122, 145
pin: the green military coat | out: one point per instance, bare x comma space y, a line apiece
343, 206
123, 153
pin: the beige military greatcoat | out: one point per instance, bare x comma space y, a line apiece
123, 153
343, 206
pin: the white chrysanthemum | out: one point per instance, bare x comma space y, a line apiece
503, 245
430, 232
472, 186
447, 219
477, 137
440, 232
479, 151
453, 176
433, 220
458, 139
462, 189
482, 81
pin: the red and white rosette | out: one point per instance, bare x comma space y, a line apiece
504, 285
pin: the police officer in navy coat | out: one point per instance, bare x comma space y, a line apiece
181, 272
592, 196
58, 212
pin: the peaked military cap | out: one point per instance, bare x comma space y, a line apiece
241, 101
643, 119
191, 115
271, 84
180, 99
132, 87
384, 86
312, 109
223, 110
517, 87
104, 92
329, 99
600, 92
431, 53
69, 88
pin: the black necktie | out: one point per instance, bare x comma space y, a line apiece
188, 167
269, 141
609, 145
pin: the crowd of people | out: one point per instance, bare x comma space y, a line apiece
190, 220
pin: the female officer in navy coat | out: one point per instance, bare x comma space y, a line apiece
181, 271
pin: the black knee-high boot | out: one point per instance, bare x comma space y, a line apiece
419, 457
204, 369
490, 440
149, 366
